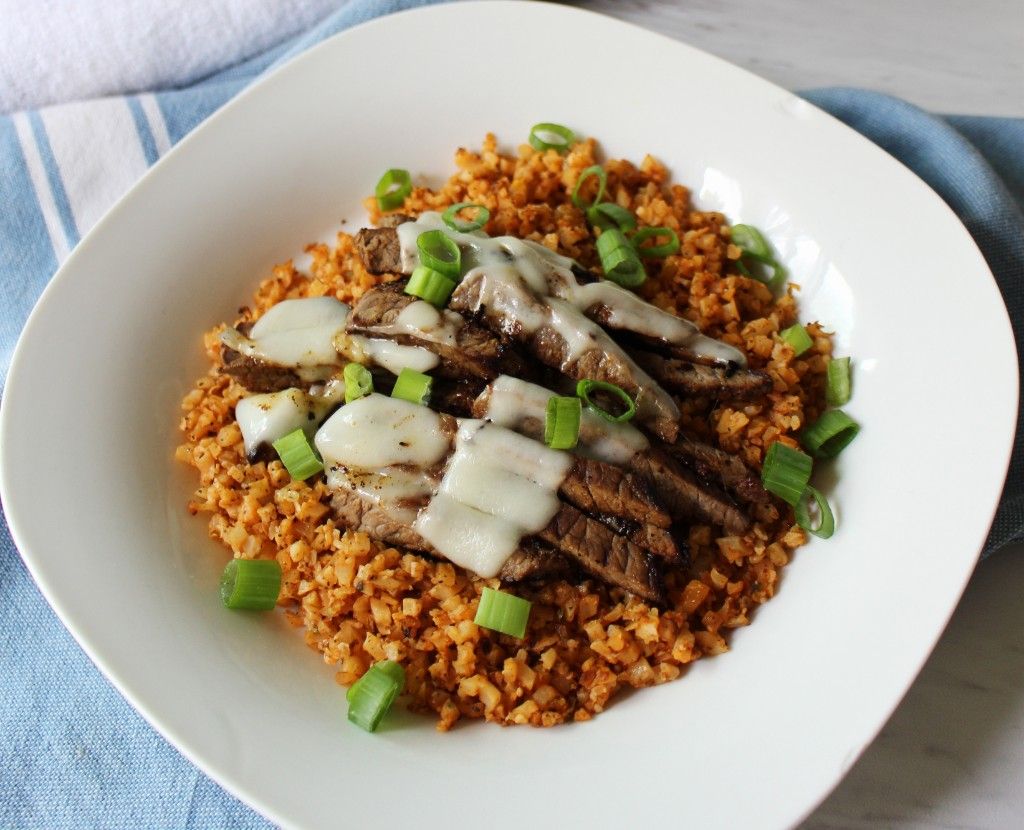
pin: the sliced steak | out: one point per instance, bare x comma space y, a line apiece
534, 560
475, 353
379, 250
686, 496
693, 379
592, 354
656, 540
718, 467
599, 550
599, 488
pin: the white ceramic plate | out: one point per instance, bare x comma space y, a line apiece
751, 739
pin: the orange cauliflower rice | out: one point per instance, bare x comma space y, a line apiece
359, 601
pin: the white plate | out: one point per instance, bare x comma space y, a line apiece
751, 739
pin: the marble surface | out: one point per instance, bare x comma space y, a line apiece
952, 755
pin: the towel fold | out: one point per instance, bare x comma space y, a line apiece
74, 753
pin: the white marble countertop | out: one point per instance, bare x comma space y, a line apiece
952, 756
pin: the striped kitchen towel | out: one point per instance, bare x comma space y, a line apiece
73, 753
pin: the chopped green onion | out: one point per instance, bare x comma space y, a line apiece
439, 252
837, 390
610, 215
602, 181
358, 382
619, 259
830, 434
297, 455
451, 217
548, 136
392, 188
663, 250
430, 285
798, 338
752, 242
413, 386
370, 697
584, 388
251, 584
503, 612
827, 522
786, 472
562, 422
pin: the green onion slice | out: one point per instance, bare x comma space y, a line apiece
610, 215
358, 382
562, 422
251, 584
829, 435
430, 285
392, 188
503, 612
371, 696
798, 338
413, 386
663, 250
297, 455
619, 259
602, 181
439, 252
837, 389
752, 242
452, 220
548, 136
786, 472
826, 521
584, 388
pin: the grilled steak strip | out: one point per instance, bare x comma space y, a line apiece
256, 375
535, 560
476, 353
599, 550
604, 361
693, 379
656, 540
596, 487
595, 547
685, 496
718, 467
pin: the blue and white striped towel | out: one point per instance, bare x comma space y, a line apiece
73, 753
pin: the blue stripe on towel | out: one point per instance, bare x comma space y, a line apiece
60, 195
142, 127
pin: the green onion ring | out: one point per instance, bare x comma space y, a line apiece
602, 182
585, 387
619, 259
372, 695
298, 457
797, 337
392, 188
786, 472
610, 215
250, 584
358, 382
451, 217
751, 241
430, 285
439, 252
830, 434
564, 137
837, 389
562, 422
827, 524
413, 386
651, 251
505, 613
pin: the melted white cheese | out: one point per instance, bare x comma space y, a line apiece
295, 333
393, 356
522, 406
497, 486
378, 431
547, 274
265, 418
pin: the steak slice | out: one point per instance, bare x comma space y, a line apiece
379, 250
599, 488
655, 540
687, 497
593, 354
475, 353
534, 560
694, 379
600, 551
718, 467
